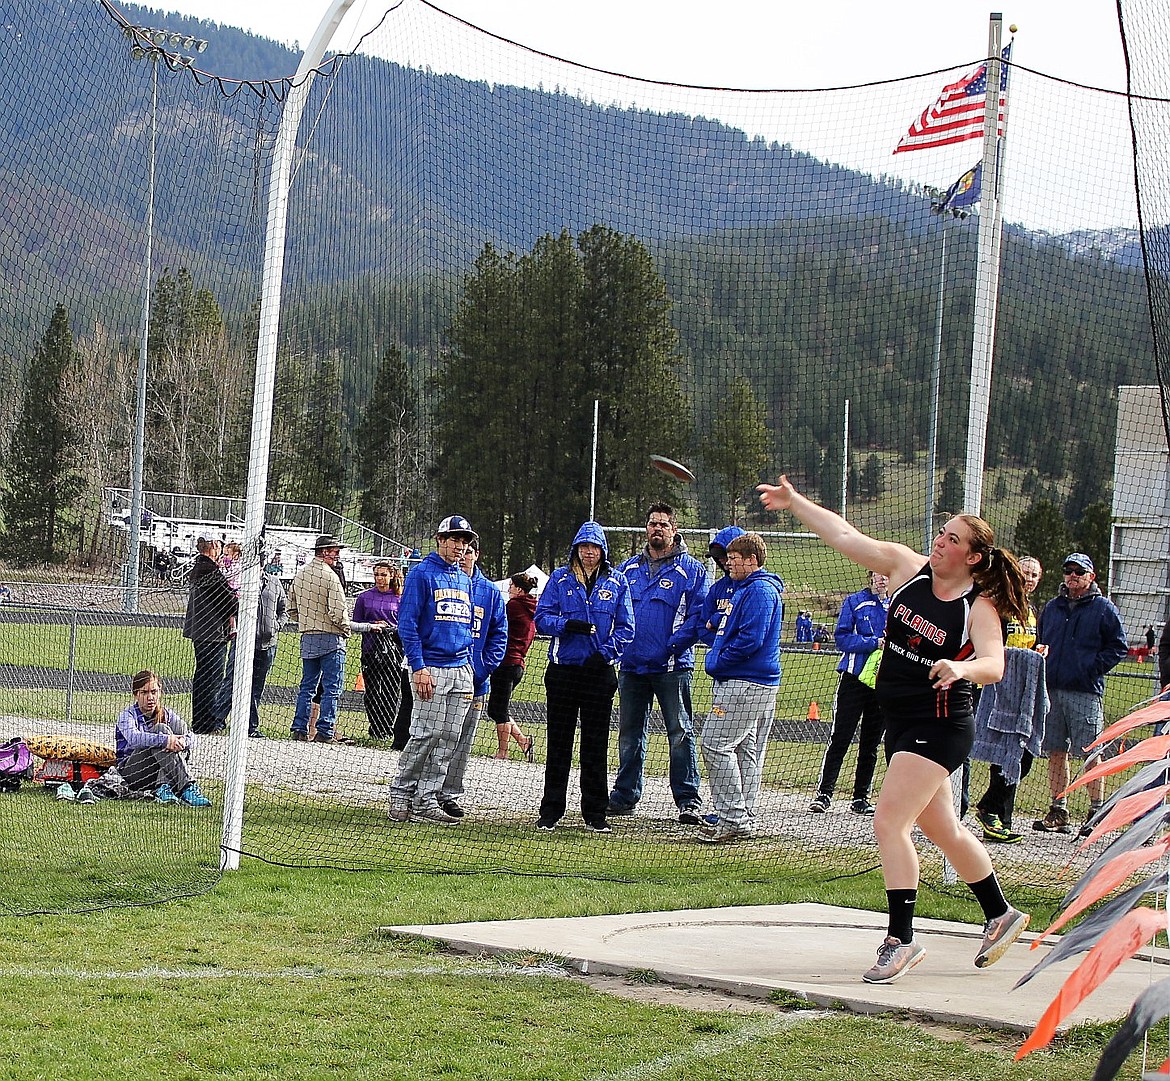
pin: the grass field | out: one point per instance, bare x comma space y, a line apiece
284, 973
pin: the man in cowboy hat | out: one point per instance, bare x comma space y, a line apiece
316, 601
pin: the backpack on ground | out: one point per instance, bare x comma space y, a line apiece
15, 764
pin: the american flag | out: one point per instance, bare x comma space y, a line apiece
957, 115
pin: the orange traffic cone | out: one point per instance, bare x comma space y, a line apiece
814, 711
360, 685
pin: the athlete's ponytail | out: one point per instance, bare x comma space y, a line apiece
997, 574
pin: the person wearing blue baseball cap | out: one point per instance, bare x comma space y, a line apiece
1082, 637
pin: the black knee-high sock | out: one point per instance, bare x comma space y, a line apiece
901, 906
989, 896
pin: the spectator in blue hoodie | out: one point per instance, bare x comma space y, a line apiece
585, 609
667, 588
489, 634
744, 662
718, 602
861, 625
434, 625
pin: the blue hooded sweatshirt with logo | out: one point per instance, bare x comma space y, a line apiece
747, 646
434, 617
607, 607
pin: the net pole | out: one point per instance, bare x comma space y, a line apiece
986, 279
263, 393
133, 535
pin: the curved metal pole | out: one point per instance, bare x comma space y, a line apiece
262, 399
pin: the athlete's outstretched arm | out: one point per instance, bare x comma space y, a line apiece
896, 561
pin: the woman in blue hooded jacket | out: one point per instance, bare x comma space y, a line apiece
585, 609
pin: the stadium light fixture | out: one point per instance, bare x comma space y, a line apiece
152, 52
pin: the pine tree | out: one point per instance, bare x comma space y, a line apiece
873, 479
737, 447
42, 482
1041, 531
950, 495
390, 452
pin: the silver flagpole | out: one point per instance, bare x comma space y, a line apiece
986, 278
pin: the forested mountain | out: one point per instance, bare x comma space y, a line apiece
793, 282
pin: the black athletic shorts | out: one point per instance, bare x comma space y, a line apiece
945, 740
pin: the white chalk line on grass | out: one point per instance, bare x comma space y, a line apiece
302, 972
297, 972
713, 1047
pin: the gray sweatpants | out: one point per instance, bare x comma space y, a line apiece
453, 785
435, 727
734, 742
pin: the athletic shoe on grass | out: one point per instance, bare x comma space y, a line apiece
598, 825
894, 959
192, 797
999, 934
722, 834
165, 794
65, 792
546, 824
436, 815
399, 810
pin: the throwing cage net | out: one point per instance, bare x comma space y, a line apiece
509, 281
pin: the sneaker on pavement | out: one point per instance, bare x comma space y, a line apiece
165, 794
399, 810
1056, 821
436, 815
452, 808
546, 824
895, 958
192, 797
86, 795
1002, 836
598, 825
65, 792
999, 934
820, 803
861, 807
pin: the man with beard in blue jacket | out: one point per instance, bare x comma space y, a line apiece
667, 588
744, 662
434, 625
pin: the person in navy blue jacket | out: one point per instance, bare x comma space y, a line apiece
667, 587
744, 662
861, 624
434, 625
1082, 638
585, 609
489, 633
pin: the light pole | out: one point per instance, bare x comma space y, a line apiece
146, 43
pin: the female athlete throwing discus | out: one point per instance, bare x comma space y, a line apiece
943, 634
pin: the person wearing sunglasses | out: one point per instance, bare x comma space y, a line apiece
1082, 635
